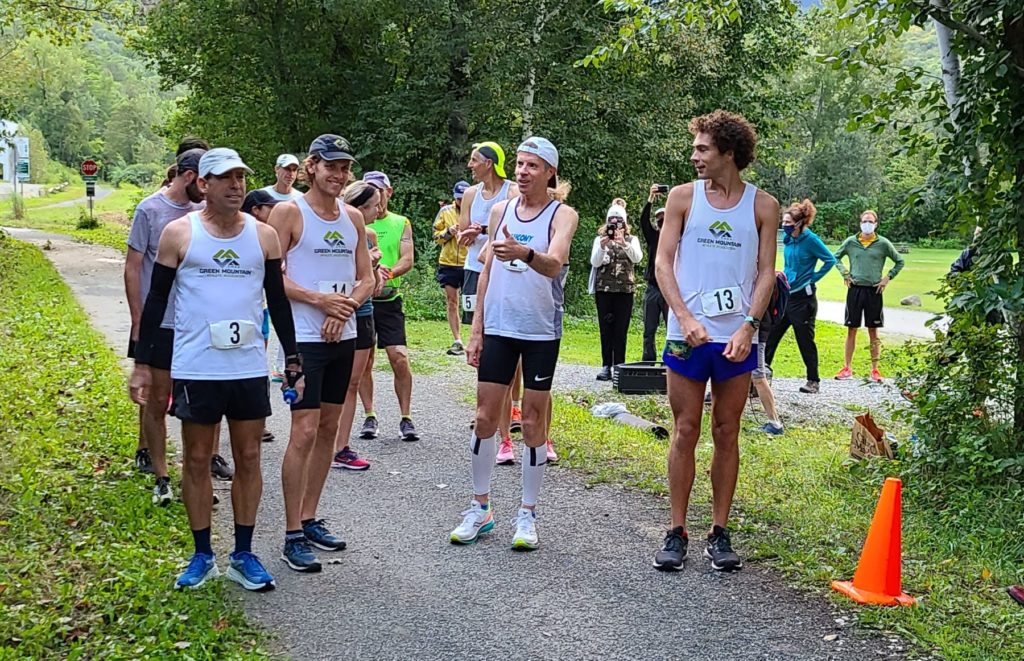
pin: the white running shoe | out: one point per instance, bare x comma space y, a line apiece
475, 522
525, 538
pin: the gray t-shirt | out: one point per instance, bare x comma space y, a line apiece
151, 217
292, 195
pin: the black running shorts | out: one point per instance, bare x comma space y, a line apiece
467, 297
206, 402
328, 369
389, 321
500, 356
366, 333
163, 349
864, 303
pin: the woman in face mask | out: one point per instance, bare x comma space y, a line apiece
867, 253
807, 261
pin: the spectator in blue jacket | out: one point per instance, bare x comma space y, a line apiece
802, 251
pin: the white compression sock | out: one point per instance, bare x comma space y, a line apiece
534, 461
482, 451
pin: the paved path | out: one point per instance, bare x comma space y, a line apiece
401, 591
100, 194
898, 321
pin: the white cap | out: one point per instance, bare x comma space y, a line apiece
616, 211
284, 160
541, 147
220, 160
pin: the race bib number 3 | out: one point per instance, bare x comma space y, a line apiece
469, 302
335, 287
717, 302
232, 334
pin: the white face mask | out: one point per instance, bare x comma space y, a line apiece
867, 228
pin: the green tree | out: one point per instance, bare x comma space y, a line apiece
970, 383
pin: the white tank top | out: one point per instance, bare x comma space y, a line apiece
519, 302
323, 260
480, 212
716, 264
218, 306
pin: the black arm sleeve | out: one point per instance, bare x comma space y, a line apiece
280, 308
153, 311
650, 234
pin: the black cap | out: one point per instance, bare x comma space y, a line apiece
258, 198
189, 160
330, 147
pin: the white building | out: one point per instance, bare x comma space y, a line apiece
7, 156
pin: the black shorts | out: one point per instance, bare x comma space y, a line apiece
206, 402
328, 369
864, 303
366, 333
163, 349
389, 320
500, 356
449, 276
468, 295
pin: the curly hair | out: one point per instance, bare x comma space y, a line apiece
802, 212
730, 133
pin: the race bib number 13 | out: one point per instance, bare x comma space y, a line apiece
232, 334
721, 301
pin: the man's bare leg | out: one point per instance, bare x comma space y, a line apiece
728, 399
686, 398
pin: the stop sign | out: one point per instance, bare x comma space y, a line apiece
89, 168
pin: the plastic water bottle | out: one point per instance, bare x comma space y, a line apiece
290, 396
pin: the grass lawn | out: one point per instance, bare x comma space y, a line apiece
923, 271
581, 344
111, 211
72, 192
86, 564
803, 509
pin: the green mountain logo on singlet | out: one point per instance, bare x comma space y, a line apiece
720, 229
225, 258
334, 239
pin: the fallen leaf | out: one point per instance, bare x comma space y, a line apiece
986, 574
182, 644
832, 636
220, 624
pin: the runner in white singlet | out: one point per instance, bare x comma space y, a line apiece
327, 277
716, 269
518, 315
219, 262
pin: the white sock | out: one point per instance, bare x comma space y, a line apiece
482, 451
534, 461
515, 403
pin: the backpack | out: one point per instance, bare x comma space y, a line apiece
777, 303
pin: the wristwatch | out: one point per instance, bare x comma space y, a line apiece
754, 323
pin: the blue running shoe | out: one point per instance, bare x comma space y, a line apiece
299, 556
773, 429
201, 567
247, 570
319, 536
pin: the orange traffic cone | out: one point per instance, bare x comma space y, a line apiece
877, 580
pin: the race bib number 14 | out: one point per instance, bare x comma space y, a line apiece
335, 287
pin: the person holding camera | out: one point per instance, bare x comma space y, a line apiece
655, 308
613, 257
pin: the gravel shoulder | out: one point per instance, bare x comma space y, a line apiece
401, 591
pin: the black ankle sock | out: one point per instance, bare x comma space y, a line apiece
306, 522
243, 538
293, 534
201, 538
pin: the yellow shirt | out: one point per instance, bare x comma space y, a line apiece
446, 230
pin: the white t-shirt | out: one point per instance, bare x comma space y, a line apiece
283, 197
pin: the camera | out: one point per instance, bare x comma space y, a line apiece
662, 188
612, 225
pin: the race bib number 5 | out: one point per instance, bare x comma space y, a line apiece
469, 302
717, 302
335, 287
231, 334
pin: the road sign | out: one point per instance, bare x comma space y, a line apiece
90, 188
21, 166
90, 168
